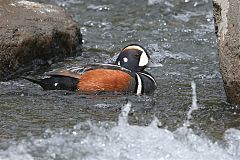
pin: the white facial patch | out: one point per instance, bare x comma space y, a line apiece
119, 63
143, 59
125, 59
55, 84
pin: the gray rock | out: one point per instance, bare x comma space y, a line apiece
227, 18
34, 34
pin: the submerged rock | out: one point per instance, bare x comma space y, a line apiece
34, 34
227, 17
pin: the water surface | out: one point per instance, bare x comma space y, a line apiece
64, 125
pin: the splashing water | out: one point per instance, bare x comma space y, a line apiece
123, 117
194, 104
108, 141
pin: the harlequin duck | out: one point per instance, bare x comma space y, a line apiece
126, 75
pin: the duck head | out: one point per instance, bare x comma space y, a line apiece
133, 57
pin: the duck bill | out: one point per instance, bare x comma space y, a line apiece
152, 64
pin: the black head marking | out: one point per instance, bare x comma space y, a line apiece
133, 57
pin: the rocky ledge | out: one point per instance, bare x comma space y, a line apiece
33, 35
227, 18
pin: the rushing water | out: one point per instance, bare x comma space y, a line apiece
169, 124
123, 141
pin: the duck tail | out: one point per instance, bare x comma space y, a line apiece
55, 82
37, 81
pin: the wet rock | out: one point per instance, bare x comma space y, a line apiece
227, 18
34, 34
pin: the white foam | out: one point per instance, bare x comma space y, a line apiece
153, 2
89, 141
194, 104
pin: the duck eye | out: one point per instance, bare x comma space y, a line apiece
137, 55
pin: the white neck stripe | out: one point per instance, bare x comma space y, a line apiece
139, 84
149, 76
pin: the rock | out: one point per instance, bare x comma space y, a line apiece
227, 18
34, 34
